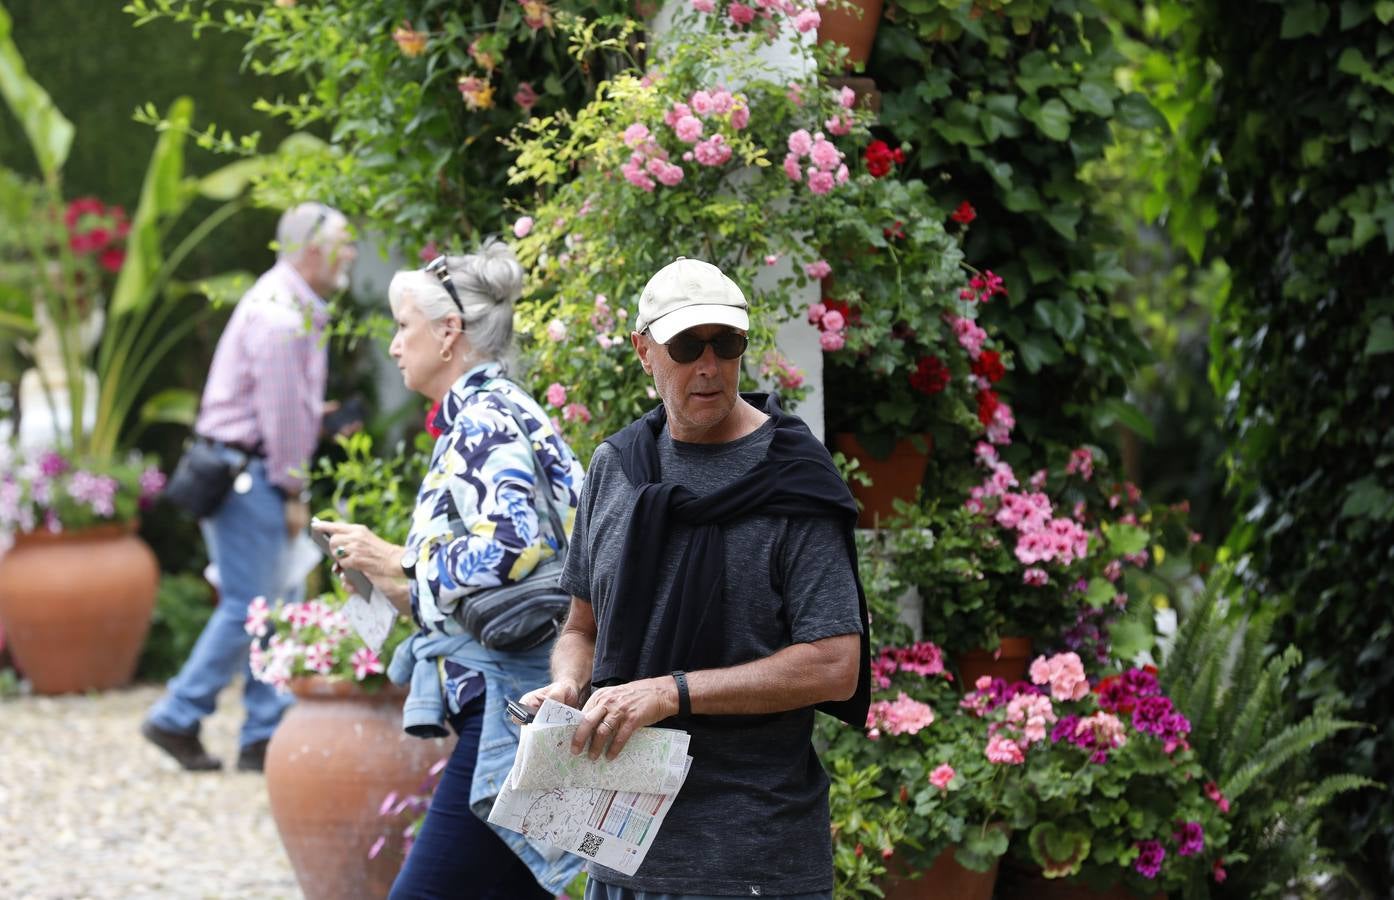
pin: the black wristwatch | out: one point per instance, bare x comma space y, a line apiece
684, 700
408, 563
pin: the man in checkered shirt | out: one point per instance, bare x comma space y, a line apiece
262, 406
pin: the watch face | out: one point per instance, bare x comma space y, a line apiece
409, 559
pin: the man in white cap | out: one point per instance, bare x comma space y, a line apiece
715, 590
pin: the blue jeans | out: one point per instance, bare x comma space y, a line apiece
247, 541
456, 855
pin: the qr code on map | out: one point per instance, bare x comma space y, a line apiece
590, 844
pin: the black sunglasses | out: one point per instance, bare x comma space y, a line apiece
438, 268
686, 348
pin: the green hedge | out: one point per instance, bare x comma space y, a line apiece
1296, 142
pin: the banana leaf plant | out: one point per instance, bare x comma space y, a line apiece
149, 310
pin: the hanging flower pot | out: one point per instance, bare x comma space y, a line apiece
896, 476
339, 751
1008, 662
856, 32
76, 606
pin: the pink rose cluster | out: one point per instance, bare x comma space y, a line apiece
689, 122
903, 715
777, 366
831, 324
924, 659
804, 17
826, 168
315, 640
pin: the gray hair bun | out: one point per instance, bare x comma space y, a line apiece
493, 272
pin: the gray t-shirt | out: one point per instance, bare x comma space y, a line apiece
752, 818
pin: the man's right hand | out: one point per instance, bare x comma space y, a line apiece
297, 516
564, 692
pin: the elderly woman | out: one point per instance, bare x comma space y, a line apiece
481, 520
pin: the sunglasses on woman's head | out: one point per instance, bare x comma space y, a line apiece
686, 348
438, 268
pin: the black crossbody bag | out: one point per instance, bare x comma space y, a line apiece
202, 478
527, 613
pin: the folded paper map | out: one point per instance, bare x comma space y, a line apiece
605, 810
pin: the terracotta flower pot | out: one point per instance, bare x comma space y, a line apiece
77, 606
896, 477
1009, 661
337, 753
1038, 887
945, 878
855, 32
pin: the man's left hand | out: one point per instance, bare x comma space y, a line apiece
613, 714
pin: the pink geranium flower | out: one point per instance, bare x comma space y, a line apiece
941, 776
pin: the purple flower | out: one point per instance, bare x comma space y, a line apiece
1190, 840
52, 464
1149, 858
97, 491
1064, 729
1149, 713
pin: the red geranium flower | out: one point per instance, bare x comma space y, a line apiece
989, 365
930, 376
112, 259
880, 157
965, 213
987, 406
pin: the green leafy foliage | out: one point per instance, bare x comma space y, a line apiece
1249, 733
1004, 104
413, 97
182, 607
1284, 157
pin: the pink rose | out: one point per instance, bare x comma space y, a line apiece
688, 129
523, 227
556, 395
740, 117
847, 97
831, 341
636, 134
792, 167
740, 13
556, 331
819, 268
800, 142
705, 6
815, 313
820, 182
833, 321
807, 20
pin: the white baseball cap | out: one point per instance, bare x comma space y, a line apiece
687, 293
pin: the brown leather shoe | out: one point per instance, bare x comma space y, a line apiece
252, 758
186, 749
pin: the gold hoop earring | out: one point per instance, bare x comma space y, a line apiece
446, 354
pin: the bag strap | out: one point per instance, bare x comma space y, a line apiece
544, 484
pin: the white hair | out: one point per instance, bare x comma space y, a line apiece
307, 225
487, 281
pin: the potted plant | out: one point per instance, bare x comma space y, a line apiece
905, 358
1115, 795
708, 148
93, 360
1046, 556
340, 750
55, 511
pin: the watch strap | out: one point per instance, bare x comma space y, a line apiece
684, 699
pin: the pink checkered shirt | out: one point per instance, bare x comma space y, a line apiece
266, 385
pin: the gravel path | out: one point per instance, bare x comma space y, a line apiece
88, 809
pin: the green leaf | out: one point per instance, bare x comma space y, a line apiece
1135, 111
1352, 62
1303, 17
1039, 350
1036, 70
1052, 117
1384, 11
1101, 592
50, 133
1367, 499
178, 406
1063, 219
1125, 540
1381, 339
1115, 410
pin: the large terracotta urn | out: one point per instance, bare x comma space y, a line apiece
895, 477
77, 606
339, 751
1036, 886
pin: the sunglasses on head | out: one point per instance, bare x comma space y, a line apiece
686, 348
438, 268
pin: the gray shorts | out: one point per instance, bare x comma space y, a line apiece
596, 890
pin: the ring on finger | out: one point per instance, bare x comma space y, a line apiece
340, 552
604, 723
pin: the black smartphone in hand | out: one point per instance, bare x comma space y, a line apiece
519, 713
